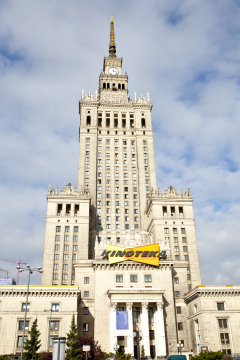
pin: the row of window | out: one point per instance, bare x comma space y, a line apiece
176, 249
166, 231
67, 229
66, 247
66, 238
65, 257
134, 278
185, 257
54, 307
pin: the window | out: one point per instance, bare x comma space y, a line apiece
177, 257
75, 247
57, 238
150, 315
133, 278
117, 218
183, 231
177, 293
85, 327
108, 226
66, 247
56, 256
75, 238
184, 240
58, 228
21, 323
55, 267
67, 228
222, 323
19, 341
75, 229
135, 203
166, 231
224, 338
65, 257
55, 307
85, 311
184, 248
64, 276
119, 278
174, 230
151, 335
148, 278
86, 280
57, 247
86, 293
179, 310
185, 257
136, 314
176, 248
74, 257
175, 239
180, 326
66, 237
54, 325
220, 306
118, 240
55, 276
176, 280
188, 276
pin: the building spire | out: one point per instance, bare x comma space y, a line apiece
112, 45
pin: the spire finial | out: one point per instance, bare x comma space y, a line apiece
112, 45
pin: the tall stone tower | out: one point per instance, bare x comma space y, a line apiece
117, 201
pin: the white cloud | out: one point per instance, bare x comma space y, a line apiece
184, 53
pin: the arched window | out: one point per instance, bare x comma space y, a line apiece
119, 86
123, 86
108, 86
143, 123
88, 120
104, 85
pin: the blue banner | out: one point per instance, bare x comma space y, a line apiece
122, 320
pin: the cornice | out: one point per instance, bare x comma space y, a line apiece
39, 291
131, 265
212, 292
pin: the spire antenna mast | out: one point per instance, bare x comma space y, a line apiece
112, 45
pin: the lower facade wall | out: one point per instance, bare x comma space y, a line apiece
61, 300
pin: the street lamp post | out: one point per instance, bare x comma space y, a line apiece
137, 337
49, 337
180, 346
30, 271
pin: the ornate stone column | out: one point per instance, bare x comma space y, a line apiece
129, 349
145, 328
160, 340
113, 337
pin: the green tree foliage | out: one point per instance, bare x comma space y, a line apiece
32, 345
142, 351
120, 355
73, 351
209, 355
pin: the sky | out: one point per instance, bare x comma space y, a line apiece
185, 53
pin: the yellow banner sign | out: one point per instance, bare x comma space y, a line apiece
148, 254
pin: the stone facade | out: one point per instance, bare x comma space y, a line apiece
213, 315
63, 302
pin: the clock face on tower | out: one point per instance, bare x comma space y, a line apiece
113, 71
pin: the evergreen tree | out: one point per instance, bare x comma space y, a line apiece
73, 351
32, 345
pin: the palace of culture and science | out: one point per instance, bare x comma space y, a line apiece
118, 244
